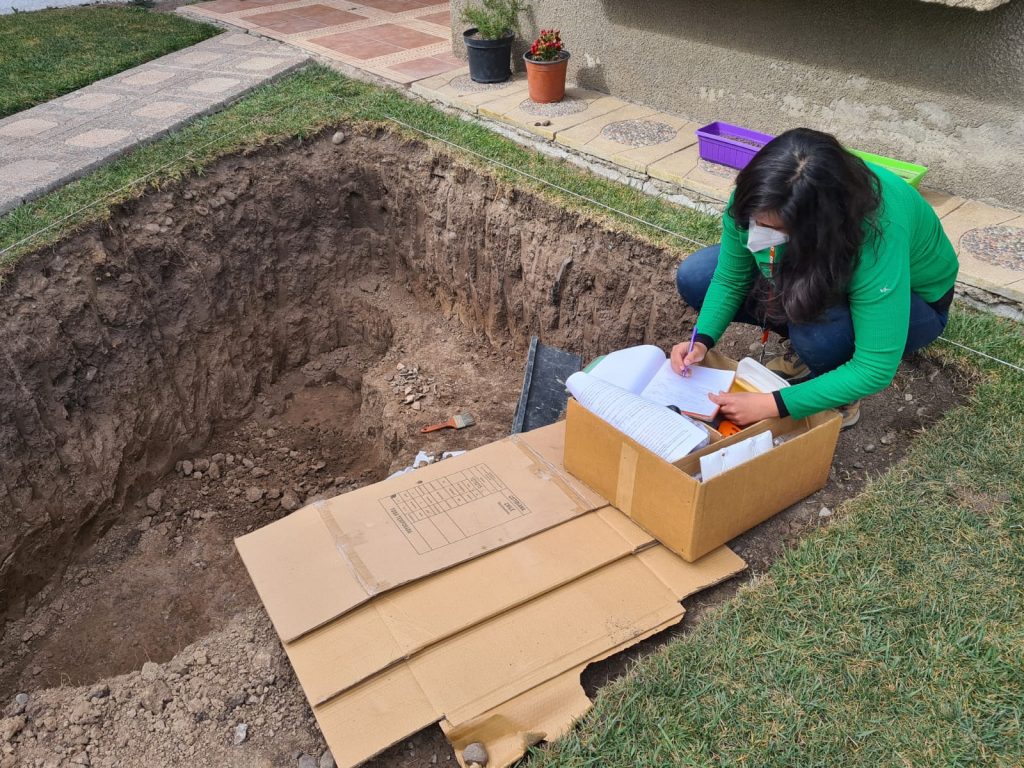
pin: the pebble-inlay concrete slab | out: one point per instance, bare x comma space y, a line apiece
49, 145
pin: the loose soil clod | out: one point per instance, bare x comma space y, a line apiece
171, 382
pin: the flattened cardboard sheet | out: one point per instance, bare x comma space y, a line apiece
405, 528
399, 623
496, 639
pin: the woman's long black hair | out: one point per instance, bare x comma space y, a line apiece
828, 202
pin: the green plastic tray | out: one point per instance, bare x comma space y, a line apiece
910, 173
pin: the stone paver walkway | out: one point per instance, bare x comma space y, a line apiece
47, 146
989, 239
399, 40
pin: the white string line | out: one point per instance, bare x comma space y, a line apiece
982, 354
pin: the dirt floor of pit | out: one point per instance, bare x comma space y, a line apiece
159, 609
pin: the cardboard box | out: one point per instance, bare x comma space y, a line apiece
686, 515
489, 644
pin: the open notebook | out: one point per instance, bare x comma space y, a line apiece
645, 371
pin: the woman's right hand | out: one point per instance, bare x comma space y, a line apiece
683, 358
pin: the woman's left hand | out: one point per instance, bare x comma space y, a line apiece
744, 408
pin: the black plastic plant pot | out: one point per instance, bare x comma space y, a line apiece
490, 61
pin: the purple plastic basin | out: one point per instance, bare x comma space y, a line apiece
729, 144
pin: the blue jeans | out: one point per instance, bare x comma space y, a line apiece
824, 344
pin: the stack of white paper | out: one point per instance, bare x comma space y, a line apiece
658, 429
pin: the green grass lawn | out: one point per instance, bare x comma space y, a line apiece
45, 54
892, 637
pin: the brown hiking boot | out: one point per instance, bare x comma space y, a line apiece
850, 413
788, 365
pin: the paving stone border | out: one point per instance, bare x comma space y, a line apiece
51, 144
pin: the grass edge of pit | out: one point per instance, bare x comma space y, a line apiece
306, 104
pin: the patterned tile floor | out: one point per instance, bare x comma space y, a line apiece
400, 40
990, 240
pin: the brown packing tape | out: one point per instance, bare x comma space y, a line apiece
299, 575
626, 485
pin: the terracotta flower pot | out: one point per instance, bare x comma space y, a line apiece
546, 79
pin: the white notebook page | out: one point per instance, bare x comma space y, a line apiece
655, 427
688, 393
630, 368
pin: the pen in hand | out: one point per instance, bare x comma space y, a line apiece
693, 339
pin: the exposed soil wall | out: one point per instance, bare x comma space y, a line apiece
126, 343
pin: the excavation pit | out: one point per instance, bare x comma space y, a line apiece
224, 349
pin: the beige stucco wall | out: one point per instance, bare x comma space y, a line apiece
918, 81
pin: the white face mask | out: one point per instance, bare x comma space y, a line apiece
759, 238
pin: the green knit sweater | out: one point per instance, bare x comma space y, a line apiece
912, 256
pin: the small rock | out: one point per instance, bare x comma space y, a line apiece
83, 714
475, 753
155, 500
869, 448
202, 464
338, 138
271, 432
11, 727
887, 439
187, 467
319, 465
307, 761
400, 366
81, 760
100, 691
259, 472
824, 512
145, 523
543, 122
150, 671
327, 760
197, 475
214, 471
274, 493
241, 734
254, 494
155, 697
922, 411
248, 463
858, 465
20, 702
340, 480
289, 501
416, 405
908, 397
